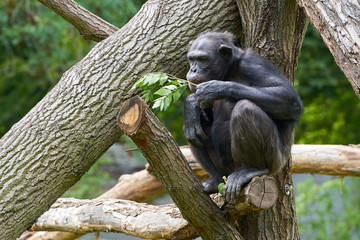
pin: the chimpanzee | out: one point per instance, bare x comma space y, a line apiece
240, 117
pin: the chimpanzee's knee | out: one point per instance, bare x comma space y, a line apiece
248, 113
254, 138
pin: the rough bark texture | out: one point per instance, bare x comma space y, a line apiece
90, 26
144, 220
65, 133
170, 166
275, 29
338, 23
110, 215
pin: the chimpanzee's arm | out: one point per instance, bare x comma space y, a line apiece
279, 101
192, 122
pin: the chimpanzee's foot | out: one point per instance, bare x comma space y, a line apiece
211, 185
237, 179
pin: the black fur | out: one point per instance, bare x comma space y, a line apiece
240, 118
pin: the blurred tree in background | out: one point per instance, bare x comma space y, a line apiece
332, 110
37, 47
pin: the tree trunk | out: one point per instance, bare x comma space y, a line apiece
338, 23
48, 150
275, 29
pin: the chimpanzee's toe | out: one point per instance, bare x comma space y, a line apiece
211, 185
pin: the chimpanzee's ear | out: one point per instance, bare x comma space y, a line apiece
225, 52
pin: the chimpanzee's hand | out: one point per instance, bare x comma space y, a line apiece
208, 92
192, 123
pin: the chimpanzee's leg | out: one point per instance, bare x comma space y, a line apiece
255, 146
203, 156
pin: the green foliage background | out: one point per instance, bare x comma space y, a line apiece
37, 47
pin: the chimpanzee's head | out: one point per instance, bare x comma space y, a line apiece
209, 56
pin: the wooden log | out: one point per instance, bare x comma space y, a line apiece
144, 220
336, 160
170, 166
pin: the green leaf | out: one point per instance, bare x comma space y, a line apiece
221, 188
162, 92
167, 102
151, 79
156, 104
171, 87
163, 78
154, 90
176, 95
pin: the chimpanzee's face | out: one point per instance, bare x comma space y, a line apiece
206, 62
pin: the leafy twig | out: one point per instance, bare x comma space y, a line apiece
161, 89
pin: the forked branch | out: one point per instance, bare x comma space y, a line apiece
90, 26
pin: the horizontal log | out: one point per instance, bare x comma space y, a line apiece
337, 160
112, 215
144, 220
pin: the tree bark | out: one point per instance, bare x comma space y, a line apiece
275, 29
90, 26
170, 166
338, 23
111, 215
48, 150
144, 220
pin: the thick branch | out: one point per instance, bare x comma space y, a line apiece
143, 220
110, 215
337, 160
90, 26
338, 23
170, 166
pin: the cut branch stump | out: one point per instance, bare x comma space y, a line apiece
170, 166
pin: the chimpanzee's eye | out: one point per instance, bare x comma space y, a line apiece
202, 59
203, 62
